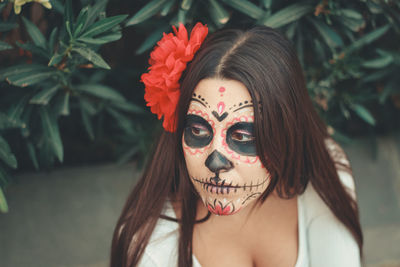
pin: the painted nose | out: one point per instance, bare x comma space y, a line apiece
217, 162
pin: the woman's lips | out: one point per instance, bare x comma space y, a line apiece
226, 188
219, 188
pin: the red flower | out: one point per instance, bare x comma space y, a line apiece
167, 62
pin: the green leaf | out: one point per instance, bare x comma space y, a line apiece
36, 50
375, 8
344, 110
32, 155
186, 4
218, 12
44, 96
62, 106
53, 39
81, 20
103, 39
128, 154
6, 155
129, 107
350, 13
7, 123
68, 27
101, 91
4, 46
55, 59
17, 108
246, 7
291, 31
18, 69
287, 15
92, 56
3, 202
390, 88
25, 120
378, 63
353, 24
35, 34
30, 78
103, 25
363, 113
152, 39
331, 38
167, 8
68, 16
4, 177
149, 10
88, 106
180, 17
50, 127
2, 5
368, 38
379, 75
87, 123
267, 3
341, 137
6, 26
57, 6
94, 12
123, 121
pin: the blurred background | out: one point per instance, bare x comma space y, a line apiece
74, 129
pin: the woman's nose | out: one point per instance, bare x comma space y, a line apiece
217, 162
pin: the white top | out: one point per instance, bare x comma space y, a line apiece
323, 239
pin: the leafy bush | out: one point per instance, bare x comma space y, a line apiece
60, 99
61, 75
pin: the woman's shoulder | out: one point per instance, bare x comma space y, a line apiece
166, 226
162, 247
326, 236
342, 165
312, 204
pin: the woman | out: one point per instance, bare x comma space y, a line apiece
245, 173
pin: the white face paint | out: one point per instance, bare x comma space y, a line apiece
219, 147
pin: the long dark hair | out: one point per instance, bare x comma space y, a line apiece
290, 140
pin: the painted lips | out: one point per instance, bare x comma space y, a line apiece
224, 188
219, 189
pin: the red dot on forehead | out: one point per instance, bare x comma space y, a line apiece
221, 89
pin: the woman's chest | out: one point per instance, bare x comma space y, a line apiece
270, 240
282, 253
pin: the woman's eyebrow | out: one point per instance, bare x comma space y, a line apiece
198, 100
242, 107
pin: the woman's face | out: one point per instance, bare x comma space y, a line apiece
219, 146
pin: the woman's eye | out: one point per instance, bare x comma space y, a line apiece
199, 131
242, 136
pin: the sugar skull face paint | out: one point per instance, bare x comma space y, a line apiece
219, 147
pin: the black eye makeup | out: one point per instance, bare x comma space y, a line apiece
198, 132
240, 138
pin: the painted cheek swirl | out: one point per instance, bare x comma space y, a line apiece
194, 151
233, 154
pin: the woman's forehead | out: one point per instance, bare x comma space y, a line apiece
214, 93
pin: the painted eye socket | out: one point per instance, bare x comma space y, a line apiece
240, 138
198, 132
